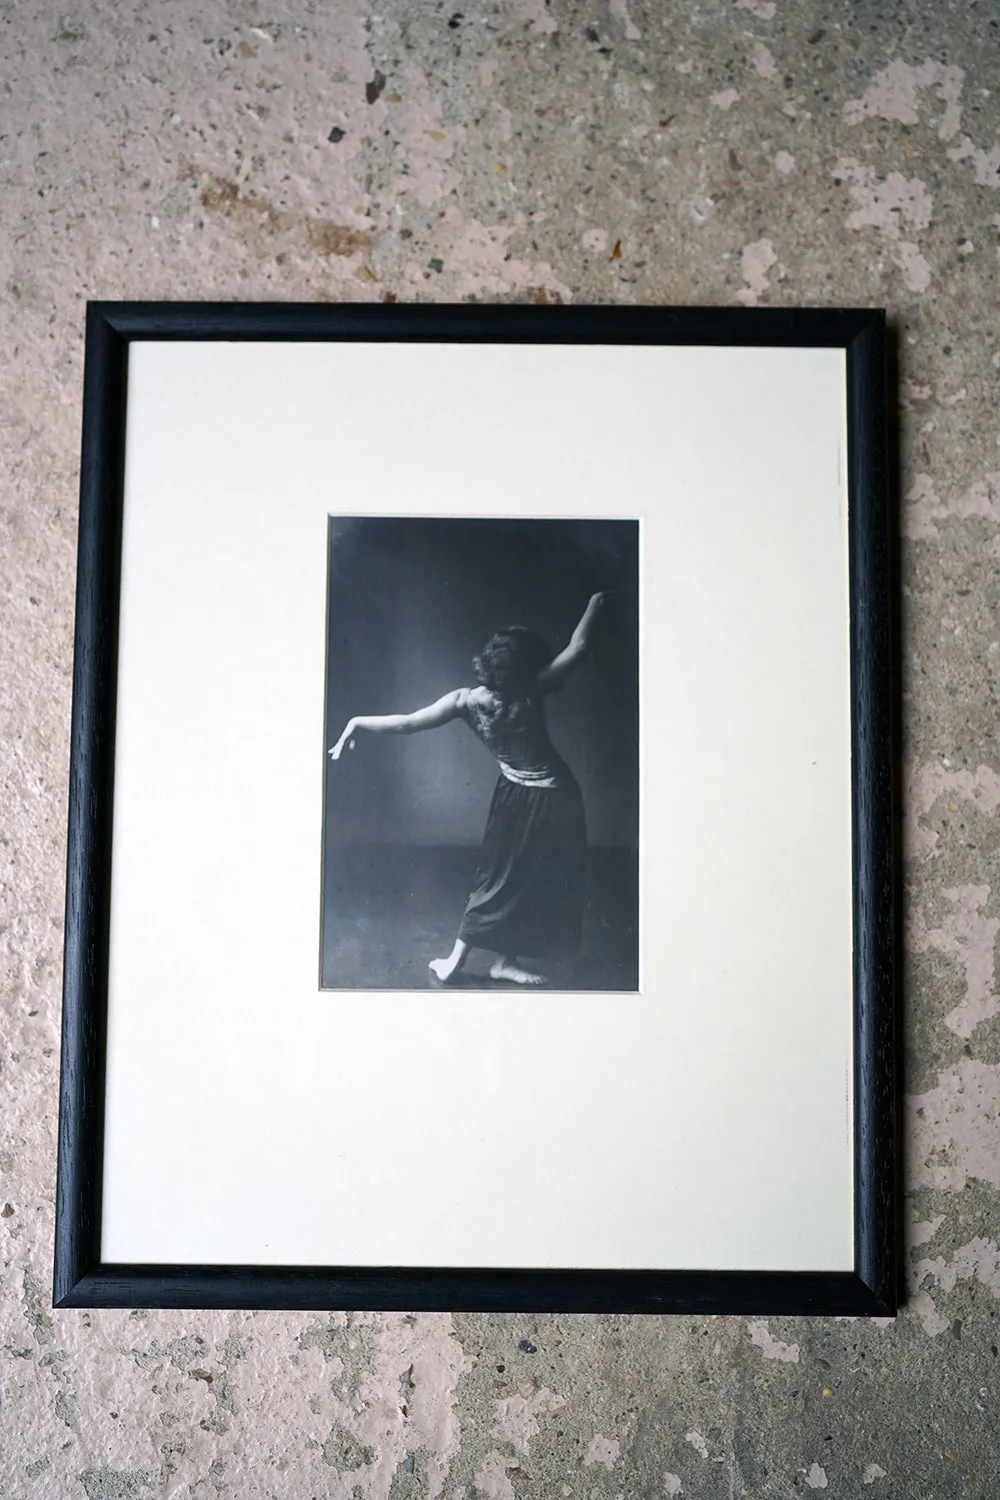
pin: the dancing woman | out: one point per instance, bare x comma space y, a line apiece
527, 899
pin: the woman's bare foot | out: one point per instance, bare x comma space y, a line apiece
507, 969
445, 969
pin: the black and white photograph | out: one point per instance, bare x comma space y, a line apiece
481, 783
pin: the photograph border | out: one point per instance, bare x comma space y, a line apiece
81, 1279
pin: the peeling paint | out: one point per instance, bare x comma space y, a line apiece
923, 1231
755, 262
922, 1306
404, 1404
725, 99
770, 1347
518, 1417
893, 94
816, 1477
602, 1450
426, 142
954, 1128
916, 270
763, 61
697, 1442
985, 164
594, 239
978, 1260
925, 784
910, 393
619, 9
491, 1477
968, 936
924, 508
885, 204
477, 262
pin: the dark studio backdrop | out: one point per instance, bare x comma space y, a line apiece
411, 601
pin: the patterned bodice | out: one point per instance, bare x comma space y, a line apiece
516, 734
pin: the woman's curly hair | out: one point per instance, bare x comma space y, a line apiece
511, 660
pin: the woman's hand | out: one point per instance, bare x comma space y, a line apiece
347, 738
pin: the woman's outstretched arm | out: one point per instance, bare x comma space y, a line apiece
554, 676
435, 714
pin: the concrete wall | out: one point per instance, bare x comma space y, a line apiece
731, 151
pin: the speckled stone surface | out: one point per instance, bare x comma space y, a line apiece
741, 151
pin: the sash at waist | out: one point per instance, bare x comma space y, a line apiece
544, 776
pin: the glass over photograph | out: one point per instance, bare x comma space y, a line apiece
481, 799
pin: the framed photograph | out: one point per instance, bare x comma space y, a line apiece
480, 870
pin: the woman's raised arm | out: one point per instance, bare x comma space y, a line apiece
432, 717
555, 675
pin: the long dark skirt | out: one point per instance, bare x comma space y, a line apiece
529, 886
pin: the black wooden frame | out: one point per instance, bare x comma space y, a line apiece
81, 1280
